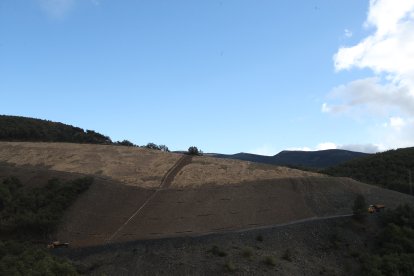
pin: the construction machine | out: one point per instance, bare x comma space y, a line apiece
375, 208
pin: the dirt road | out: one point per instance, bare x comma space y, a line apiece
165, 183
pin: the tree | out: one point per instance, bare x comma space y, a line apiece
194, 151
152, 146
125, 143
164, 148
360, 207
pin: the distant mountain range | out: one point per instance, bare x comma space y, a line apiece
306, 159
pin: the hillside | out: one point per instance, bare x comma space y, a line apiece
15, 128
147, 194
141, 199
136, 166
390, 169
129, 165
305, 159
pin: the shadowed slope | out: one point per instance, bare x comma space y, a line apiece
210, 209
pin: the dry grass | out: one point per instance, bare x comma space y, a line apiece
132, 166
136, 166
208, 170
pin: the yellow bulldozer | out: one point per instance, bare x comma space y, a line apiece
58, 244
375, 208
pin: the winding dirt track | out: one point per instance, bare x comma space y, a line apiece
165, 183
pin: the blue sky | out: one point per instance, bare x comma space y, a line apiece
227, 76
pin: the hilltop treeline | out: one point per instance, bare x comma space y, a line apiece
23, 129
15, 128
390, 169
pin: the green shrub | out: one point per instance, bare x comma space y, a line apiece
270, 261
157, 147
18, 258
125, 143
390, 169
229, 266
37, 211
247, 252
394, 251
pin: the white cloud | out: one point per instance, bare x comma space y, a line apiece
397, 123
372, 96
367, 148
390, 49
389, 53
326, 146
320, 146
267, 150
397, 132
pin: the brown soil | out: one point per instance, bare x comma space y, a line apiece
208, 170
192, 212
172, 173
133, 166
205, 204
137, 166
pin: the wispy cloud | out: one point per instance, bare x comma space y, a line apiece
389, 53
348, 33
58, 9
96, 2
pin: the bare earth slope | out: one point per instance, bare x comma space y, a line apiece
137, 166
132, 166
209, 170
193, 212
143, 194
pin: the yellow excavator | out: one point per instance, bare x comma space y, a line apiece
375, 208
58, 244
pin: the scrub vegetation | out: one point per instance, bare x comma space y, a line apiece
32, 214
390, 169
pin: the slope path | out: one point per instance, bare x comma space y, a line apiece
165, 183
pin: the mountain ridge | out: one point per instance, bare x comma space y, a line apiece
307, 159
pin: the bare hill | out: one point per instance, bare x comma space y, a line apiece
132, 166
143, 194
136, 166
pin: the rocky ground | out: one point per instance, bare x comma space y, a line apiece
329, 247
